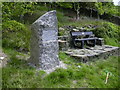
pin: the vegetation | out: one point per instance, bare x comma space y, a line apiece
21, 9
16, 11
110, 32
17, 74
14, 35
17, 19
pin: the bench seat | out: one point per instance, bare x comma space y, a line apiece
85, 39
81, 37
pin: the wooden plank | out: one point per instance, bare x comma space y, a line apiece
81, 33
83, 39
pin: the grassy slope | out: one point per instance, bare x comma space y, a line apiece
18, 74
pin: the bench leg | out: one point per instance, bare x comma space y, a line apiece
94, 42
82, 44
74, 44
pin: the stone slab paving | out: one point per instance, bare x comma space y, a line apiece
93, 53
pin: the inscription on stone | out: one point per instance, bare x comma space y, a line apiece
49, 35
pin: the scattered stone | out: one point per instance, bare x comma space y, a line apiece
23, 57
61, 28
3, 59
75, 81
79, 66
75, 30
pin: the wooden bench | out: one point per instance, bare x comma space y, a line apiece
82, 37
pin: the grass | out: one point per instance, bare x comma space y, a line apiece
17, 74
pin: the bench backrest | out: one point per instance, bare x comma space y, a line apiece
81, 33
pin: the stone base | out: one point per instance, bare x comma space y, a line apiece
61, 65
48, 71
93, 53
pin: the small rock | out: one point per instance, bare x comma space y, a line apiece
75, 29
79, 66
61, 28
2, 58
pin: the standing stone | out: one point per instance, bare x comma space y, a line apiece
44, 42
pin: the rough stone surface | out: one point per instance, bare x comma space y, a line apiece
93, 53
44, 42
61, 65
3, 59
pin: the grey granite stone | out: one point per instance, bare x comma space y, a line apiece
44, 42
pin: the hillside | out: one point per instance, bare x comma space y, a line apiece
16, 44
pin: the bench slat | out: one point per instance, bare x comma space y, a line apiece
81, 33
83, 39
76, 39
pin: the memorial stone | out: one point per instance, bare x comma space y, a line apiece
44, 42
